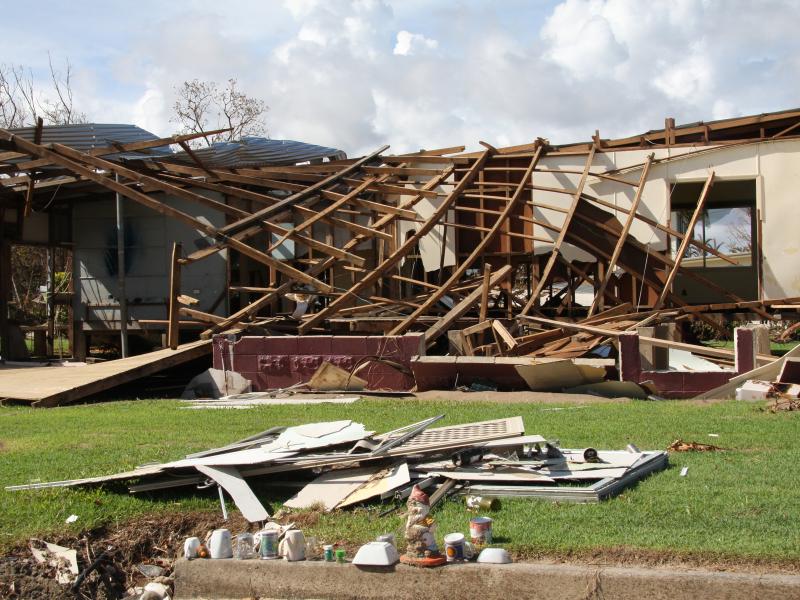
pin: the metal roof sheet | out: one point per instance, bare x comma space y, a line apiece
86, 136
259, 151
247, 152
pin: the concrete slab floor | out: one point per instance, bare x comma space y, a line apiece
229, 579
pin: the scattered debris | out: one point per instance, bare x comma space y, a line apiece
681, 446
216, 383
64, 561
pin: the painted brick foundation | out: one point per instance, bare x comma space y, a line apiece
272, 362
684, 384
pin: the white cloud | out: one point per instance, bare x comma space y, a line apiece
360, 74
582, 41
151, 111
410, 43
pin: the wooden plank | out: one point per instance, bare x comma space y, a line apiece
685, 241
405, 248
294, 198
485, 288
504, 335
476, 252
323, 213
612, 264
576, 197
199, 315
37, 139
384, 221
174, 291
54, 386
613, 333
444, 323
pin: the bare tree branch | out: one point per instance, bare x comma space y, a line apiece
21, 102
202, 106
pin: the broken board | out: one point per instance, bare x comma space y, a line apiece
49, 386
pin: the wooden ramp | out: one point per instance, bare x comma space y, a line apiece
54, 386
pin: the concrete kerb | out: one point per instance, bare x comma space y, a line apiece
229, 579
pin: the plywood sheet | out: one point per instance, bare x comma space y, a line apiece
50, 386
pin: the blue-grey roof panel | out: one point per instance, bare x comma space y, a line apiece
258, 151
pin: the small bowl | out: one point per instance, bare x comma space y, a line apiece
495, 556
376, 554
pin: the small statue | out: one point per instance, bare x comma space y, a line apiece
422, 550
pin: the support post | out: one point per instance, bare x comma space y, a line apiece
123, 300
5, 290
174, 292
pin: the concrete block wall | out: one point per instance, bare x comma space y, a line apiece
272, 362
684, 384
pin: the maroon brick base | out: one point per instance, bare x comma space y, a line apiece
684, 384
274, 362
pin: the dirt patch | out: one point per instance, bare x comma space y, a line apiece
155, 540
515, 397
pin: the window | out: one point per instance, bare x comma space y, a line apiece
727, 230
727, 224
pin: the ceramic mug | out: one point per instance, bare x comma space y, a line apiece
293, 546
219, 546
457, 548
190, 547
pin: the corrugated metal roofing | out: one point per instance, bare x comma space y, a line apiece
258, 151
86, 136
247, 152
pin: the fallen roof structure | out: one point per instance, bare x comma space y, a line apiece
494, 244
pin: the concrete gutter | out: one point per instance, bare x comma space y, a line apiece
229, 579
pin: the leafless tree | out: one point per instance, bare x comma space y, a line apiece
203, 106
22, 101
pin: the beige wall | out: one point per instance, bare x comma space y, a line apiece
774, 164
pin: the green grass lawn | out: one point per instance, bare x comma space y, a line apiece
737, 504
776, 348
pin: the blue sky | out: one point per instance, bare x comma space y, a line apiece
416, 73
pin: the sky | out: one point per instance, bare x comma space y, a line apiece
422, 73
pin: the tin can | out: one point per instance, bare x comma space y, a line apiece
327, 553
340, 554
268, 548
480, 530
480, 503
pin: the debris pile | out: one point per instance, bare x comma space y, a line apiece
340, 464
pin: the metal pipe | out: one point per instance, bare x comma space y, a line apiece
123, 302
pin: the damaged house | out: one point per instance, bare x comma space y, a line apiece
537, 251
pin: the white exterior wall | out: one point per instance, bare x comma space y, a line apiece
775, 165
147, 281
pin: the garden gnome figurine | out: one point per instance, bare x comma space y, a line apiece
420, 527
